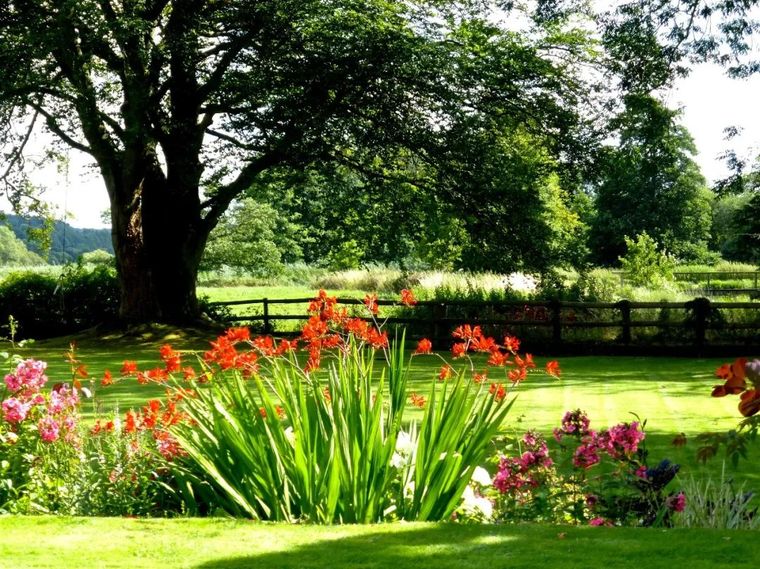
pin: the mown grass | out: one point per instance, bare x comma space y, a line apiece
45, 542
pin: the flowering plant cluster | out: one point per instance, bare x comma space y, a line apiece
247, 431
535, 486
740, 377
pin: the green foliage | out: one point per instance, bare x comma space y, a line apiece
47, 306
57, 241
596, 285
718, 504
252, 238
644, 263
332, 457
98, 257
651, 184
14, 252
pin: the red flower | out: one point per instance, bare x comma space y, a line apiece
479, 377
171, 358
107, 379
445, 373
418, 400
517, 375
130, 424
497, 359
552, 368
407, 297
458, 350
512, 344
370, 301
467, 332
498, 391
424, 346
240, 334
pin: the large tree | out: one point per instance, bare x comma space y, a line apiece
183, 104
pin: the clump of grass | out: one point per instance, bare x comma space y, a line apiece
718, 505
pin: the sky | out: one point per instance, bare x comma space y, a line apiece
709, 100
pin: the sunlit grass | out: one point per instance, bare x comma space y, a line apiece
60, 543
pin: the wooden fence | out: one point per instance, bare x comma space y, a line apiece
702, 319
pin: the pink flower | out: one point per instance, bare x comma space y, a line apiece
15, 411
49, 429
676, 503
29, 376
585, 455
598, 522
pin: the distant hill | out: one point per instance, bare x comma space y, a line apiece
68, 242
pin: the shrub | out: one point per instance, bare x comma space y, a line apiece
46, 306
533, 486
597, 285
644, 263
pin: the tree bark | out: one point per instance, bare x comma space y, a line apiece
158, 241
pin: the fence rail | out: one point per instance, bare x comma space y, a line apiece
437, 318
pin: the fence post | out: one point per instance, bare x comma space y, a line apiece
625, 316
701, 308
267, 325
556, 308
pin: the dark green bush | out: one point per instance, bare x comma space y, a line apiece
46, 306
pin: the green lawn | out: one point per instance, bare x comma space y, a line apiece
32, 542
672, 393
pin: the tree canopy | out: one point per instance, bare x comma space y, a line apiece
184, 104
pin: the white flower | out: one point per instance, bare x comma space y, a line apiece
480, 476
397, 460
404, 443
476, 505
290, 435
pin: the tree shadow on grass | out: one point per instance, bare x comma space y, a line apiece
453, 546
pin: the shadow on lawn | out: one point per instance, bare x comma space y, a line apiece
444, 546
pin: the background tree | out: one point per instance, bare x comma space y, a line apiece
650, 183
183, 104
253, 238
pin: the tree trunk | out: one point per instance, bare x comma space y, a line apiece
158, 240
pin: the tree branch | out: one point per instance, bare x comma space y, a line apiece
17, 154
56, 128
220, 201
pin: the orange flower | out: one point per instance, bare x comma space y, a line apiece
370, 301
130, 424
479, 377
498, 391
418, 400
445, 373
517, 375
735, 377
171, 358
240, 334
407, 297
552, 368
424, 346
458, 350
497, 359
512, 344
467, 332
750, 402
107, 379
326, 394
